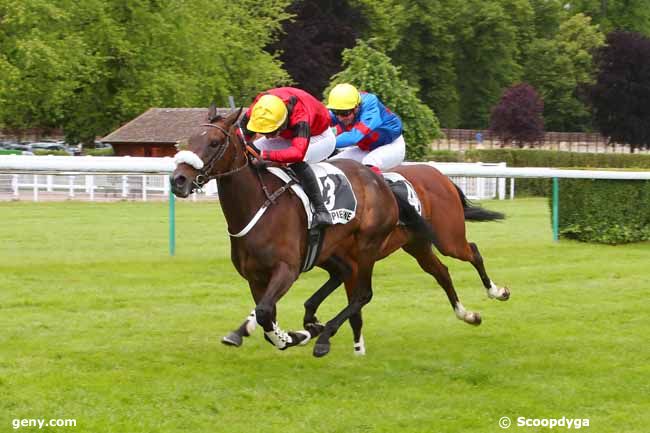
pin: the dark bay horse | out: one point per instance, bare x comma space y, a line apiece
270, 253
445, 208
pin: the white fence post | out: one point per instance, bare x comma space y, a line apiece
35, 186
125, 186
144, 187
14, 186
71, 182
90, 186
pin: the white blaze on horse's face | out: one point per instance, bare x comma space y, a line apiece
190, 158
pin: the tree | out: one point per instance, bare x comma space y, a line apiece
314, 39
560, 67
425, 54
518, 116
630, 15
620, 98
371, 70
96, 64
485, 59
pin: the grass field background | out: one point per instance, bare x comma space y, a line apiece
99, 324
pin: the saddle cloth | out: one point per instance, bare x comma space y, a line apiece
335, 187
402, 187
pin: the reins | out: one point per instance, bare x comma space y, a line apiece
204, 176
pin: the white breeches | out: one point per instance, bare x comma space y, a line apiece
320, 146
384, 157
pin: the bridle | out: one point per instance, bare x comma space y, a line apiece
204, 175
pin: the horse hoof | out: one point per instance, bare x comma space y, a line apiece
301, 337
314, 328
505, 294
321, 349
473, 318
232, 339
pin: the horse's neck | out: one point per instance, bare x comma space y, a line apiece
240, 195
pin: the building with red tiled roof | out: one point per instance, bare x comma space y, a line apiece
156, 131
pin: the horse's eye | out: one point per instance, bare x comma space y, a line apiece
214, 143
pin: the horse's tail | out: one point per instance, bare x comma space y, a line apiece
477, 213
414, 221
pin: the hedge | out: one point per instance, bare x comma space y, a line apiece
604, 211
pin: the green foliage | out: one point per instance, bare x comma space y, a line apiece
605, 211
559, 67
445, 156
372, 71
631, 15
90, 66
51, 152
486, 59
428, 24
107, 151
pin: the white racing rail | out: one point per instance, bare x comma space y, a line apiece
81, 164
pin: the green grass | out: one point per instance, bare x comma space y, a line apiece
99, 324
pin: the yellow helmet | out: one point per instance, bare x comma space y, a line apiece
268, 115
343, 97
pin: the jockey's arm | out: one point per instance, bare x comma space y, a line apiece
296, 152
370, 120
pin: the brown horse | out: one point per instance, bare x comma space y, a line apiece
445, 208
270, 254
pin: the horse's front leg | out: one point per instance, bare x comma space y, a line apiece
281, 280
236, 337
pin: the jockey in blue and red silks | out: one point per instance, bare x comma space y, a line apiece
361, 119
295, 130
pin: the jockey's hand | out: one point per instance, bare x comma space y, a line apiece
259, 163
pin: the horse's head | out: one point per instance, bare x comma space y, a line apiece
215, 151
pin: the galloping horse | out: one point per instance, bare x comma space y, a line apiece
270, 254
445, 208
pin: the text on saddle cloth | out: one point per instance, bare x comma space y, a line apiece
402, 187
335, 187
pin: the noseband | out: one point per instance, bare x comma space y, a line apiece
204, 175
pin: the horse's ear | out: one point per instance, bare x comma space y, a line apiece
212, 113
233, 116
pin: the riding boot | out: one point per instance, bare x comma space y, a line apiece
310, 185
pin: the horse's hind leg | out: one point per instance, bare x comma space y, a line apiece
428, 261
361, 283
338, 271
493, 291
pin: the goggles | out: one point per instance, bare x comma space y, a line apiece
343, 113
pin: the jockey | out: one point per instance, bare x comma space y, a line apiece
361, 119
295, 130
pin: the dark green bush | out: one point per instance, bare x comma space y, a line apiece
604, 211
445, 156
99, 152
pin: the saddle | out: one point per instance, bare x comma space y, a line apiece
338, 197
